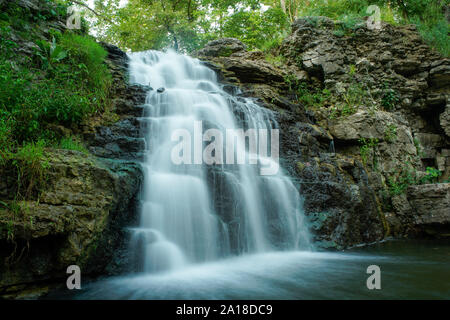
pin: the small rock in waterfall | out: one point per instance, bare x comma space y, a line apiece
161, 90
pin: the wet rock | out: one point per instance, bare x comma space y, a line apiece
161, 90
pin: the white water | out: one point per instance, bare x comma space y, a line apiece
198, 213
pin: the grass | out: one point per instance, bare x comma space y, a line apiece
31, 165
276, 60
62, 83
436, 34
71, 143
63, 90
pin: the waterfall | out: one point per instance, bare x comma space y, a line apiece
200, 212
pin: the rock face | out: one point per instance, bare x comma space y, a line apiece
430, 207
80, 214
352, 168
236, 64
78, 220
223, 47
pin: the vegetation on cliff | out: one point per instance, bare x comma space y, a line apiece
187, 25
51, 79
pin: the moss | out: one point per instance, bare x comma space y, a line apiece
386, 227
225, 52
318, 219
300, 166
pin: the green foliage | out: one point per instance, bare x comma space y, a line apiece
432, 176
354, 94
71, 143
390, 98
6, 140
67, 82
62, 83
276, 60
87, 62
342, 110
368, 147
291, 81
31, 165
188, 24
343, 10
349, 101
272, 43
50, 53
408, 176
257, 30
436, 34
311, 97
398, 185
390, 134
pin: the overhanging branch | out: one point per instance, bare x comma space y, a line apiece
93, 11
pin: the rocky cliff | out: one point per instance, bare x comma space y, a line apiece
364, 129
78, 216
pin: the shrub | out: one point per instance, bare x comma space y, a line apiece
397, 185
312, 97
50, 53
389, 99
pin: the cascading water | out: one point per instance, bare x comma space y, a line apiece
216, 214
199, 212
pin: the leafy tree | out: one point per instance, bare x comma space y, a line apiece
254, 27
187, 25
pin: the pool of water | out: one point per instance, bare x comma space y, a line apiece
409, 270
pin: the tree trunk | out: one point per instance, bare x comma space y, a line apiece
175, 43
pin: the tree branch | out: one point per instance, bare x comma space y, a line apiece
93, 11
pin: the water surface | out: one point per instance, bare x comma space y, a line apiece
409, 270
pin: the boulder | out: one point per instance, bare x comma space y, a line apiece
224, 47
430, 205
78, 219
